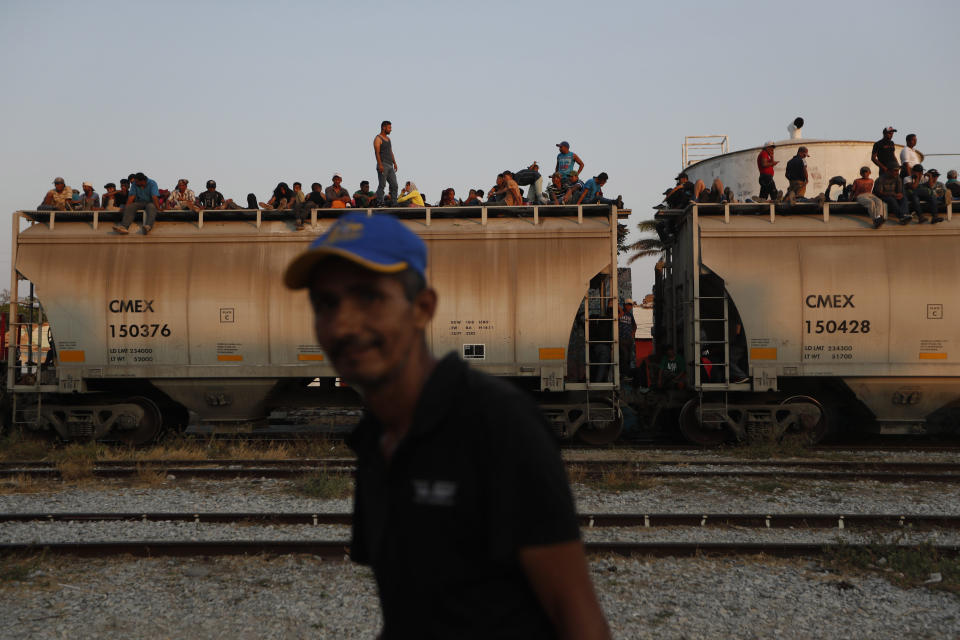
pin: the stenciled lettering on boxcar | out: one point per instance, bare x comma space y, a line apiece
470, 327
820, 339
136, 327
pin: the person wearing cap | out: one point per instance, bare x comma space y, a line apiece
765, 165
89, 199
952, 185
909, 155
58, 198
927, 192
211, 199
108, 201
681, 195
592, 192
565, 161
145, 195
461, 503
889, 188
797, 175
862, 192
337, 197
912, 187
182, 198
557, 192
884, 153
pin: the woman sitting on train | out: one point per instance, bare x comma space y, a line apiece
410, 194
283, 198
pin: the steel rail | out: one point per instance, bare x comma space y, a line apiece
588, 520
323, 463
633, 471
340, 549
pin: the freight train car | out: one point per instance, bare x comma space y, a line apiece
829, 321
192, 324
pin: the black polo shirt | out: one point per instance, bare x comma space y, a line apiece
477, 478
886, 152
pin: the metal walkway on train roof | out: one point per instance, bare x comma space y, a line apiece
775, 209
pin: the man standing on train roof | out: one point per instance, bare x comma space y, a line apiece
909, 155
765, 164
565, 161
386, 163
461, 504
144, 194
797, 175
884, 153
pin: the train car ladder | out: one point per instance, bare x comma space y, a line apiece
699, 343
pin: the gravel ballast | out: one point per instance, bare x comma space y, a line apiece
300, 597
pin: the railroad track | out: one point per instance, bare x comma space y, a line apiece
915, 522
677, 469
340, 549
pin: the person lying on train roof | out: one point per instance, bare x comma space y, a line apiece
461, 505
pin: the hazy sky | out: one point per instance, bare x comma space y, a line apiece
253, 93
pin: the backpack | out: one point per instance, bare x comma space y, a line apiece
526, 177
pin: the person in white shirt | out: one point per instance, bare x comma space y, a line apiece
909, 156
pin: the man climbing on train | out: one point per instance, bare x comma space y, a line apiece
461, 506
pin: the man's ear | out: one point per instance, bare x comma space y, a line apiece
424, 307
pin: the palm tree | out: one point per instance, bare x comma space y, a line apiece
646, 247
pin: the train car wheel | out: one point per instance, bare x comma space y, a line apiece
693, 428
811, 427
148, 428
597, 432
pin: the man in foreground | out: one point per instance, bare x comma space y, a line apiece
461, 505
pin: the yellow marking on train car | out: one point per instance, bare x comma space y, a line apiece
933, 356
229, 358
552, 353
317, 357
73, 356
766, 353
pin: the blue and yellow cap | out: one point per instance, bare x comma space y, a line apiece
379, 242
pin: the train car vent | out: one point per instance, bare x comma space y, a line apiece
473, 352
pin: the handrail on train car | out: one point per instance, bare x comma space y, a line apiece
535, 213
772, 208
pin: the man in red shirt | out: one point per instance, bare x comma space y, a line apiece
766, 163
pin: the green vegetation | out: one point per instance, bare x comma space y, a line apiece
324, 485
903, 566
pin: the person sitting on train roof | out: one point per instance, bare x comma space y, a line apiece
282, 198
182, 198
58, 198
364, 197
473, 200
298, 194
862, 193
909, 155
928, 192
448, 198
680, 195
145, 195
593, 192
337, 196
889, 188
530, 177
915, 194
509, 190
316, 200
89, 200
410, 194
121, 197
672, 373
953, 185
717, 193
108, 201
565, 161
212, 199
884, 151
765, 165
557, 193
